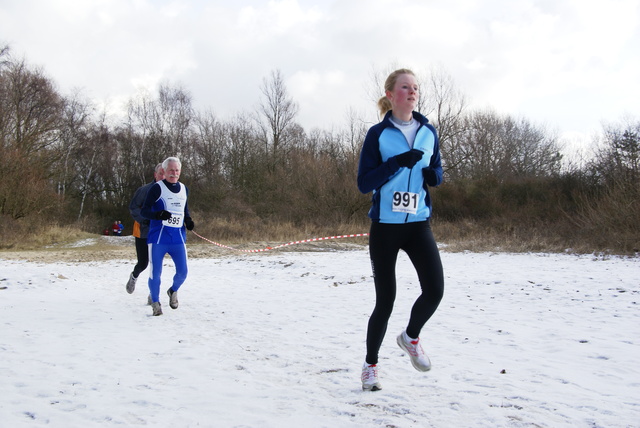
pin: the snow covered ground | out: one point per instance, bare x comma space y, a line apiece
276, 339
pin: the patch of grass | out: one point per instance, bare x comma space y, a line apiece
21, 235
502, 235
494, 234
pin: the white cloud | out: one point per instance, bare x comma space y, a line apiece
569, 63
310, 89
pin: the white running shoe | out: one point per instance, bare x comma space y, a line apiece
173, 298
131, 284
412, 347
370, 378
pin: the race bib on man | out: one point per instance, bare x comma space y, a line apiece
176, 220
405, 202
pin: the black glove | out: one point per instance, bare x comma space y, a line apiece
188, 223
410, 158
163, 215
430, 176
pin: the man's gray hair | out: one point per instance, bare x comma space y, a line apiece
165, 163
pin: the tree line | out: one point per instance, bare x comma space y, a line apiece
66, 162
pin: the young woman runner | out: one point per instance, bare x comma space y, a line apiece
400, 158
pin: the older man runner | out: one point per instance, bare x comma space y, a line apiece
167, 209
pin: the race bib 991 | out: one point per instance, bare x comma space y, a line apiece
405, 202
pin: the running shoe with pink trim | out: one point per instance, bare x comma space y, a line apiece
412, 347
369, 378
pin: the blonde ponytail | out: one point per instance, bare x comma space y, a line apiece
384, 105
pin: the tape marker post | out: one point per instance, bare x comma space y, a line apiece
355, 235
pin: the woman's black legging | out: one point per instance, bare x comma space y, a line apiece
385, 241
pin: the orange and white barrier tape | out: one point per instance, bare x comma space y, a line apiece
355, 235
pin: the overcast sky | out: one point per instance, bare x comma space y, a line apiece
565, 64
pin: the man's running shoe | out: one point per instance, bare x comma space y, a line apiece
412, 347
157, 308
173, 298
370, 378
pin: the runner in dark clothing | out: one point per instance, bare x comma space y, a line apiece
141, 228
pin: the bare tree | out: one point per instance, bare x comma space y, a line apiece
353, 136
502, 147
444, 104
89, 157
209, 141
620, 154
4, 52
5, 105
158, 127
75, 127
276, 114
30, 112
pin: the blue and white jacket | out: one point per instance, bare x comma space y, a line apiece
400, 194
